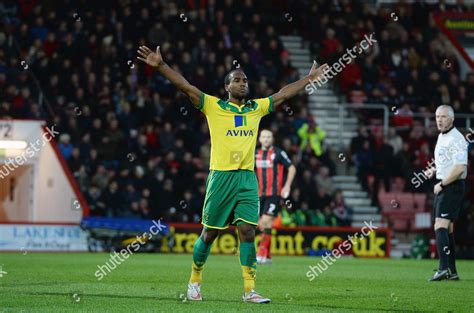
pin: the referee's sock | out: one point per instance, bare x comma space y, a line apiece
200, 253
248, 262
442, 244
452, 254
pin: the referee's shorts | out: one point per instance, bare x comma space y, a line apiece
448, 202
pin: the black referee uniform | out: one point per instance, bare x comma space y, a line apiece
450, 151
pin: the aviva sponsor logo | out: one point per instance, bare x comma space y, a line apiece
240, 133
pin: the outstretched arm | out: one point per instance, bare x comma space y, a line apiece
156, 60
292, 89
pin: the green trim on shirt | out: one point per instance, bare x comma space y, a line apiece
201, 101
249, 106
270, 107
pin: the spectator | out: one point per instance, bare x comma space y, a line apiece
130, 196
394, 140
134, 212
324, 181
329, 217
100, 179
341, 211
363, 134
93, 198
75, 161
144, 209
299, 217
82, 178
383, 162
312, 135
364, 164
331, 46
307, 187
317, 218
65, 146
323, 199
113, 201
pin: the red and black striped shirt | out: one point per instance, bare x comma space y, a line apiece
270, 166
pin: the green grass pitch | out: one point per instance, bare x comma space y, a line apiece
60, 282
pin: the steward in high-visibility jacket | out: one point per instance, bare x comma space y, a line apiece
313, 135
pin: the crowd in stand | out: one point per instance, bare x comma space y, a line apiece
138, 148
412, 69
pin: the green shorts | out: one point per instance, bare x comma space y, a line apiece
231, 197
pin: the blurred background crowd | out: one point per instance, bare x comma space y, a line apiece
138, 148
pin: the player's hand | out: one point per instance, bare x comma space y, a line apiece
149, 57
316, 73
285, 192
437, 188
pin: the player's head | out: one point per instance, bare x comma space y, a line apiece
444, 117
266, 138
236, 84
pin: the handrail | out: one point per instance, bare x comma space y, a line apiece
427, 117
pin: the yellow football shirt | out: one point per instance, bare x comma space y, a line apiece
233, 130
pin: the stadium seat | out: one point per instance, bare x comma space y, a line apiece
420, 201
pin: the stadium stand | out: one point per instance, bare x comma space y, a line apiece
137, 148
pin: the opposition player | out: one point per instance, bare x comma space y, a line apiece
231, 187
270, 163
451, 170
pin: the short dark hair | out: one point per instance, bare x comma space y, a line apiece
227, 77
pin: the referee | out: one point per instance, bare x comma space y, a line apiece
451, 170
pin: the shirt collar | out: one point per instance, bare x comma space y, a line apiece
445, 132
244, 104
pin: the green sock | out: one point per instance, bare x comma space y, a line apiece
200, 253
248, 262
248, 255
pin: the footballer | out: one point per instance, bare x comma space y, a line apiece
231, 187
270, 163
